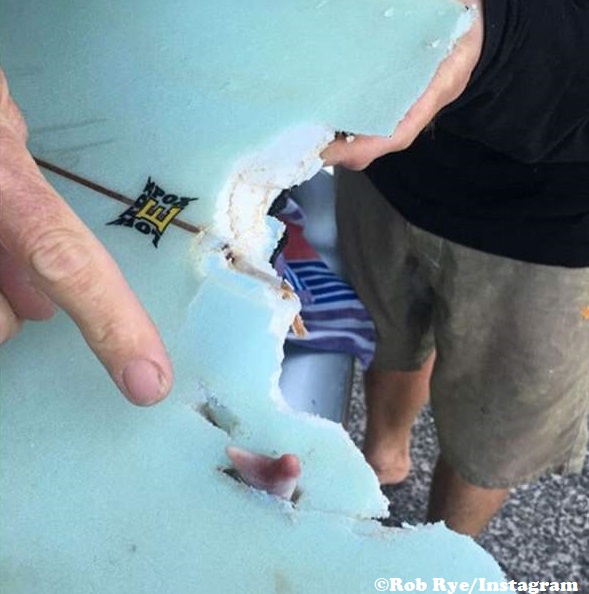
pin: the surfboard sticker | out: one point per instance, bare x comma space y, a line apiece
153, 211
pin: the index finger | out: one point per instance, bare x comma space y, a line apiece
76, 272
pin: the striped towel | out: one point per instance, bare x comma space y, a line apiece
331, 311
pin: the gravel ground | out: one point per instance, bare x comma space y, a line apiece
542, 532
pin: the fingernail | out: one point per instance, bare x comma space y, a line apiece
144, 382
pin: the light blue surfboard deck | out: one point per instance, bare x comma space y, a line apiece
186, 91
170, 128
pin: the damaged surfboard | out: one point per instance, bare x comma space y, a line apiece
170, 128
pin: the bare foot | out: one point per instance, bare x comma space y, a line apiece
277, 476
389, 459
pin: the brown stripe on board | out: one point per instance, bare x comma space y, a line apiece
102, 190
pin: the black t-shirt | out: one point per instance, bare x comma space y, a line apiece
505, 168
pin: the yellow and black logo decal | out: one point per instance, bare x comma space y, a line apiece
153, 211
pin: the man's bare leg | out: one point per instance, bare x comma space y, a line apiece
393, 401
464, 507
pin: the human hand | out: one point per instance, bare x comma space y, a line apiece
48, 256
447, 84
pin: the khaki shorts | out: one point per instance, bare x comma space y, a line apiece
510, 386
